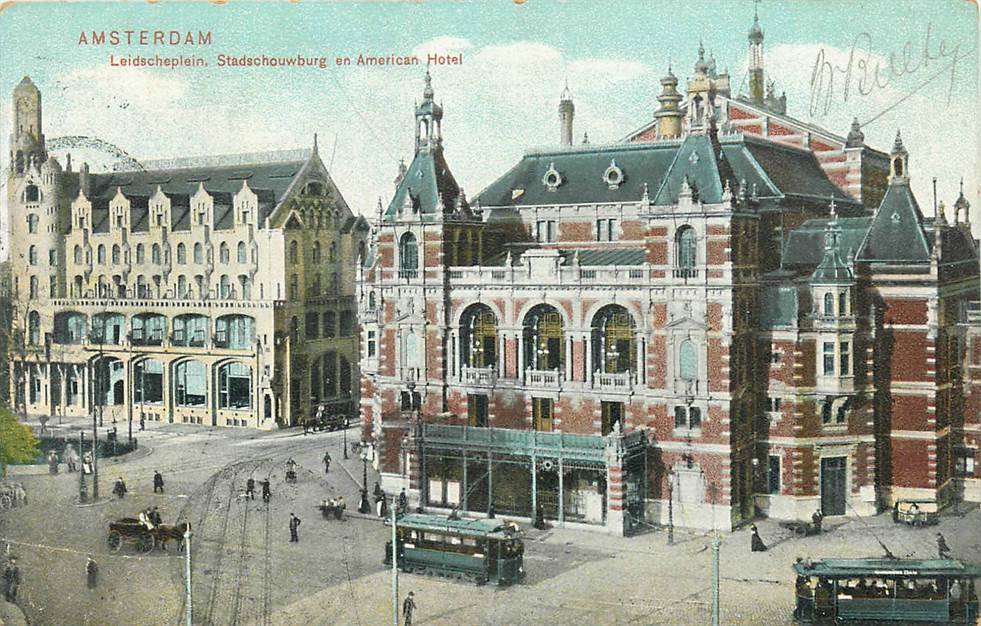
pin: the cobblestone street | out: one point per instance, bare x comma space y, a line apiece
245, 570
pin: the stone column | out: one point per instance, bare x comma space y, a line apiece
587, 343
614, 483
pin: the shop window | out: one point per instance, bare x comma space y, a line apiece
477, 410
190, 384
234, 386
148, 382
543, 414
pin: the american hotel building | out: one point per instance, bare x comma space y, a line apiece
727, 313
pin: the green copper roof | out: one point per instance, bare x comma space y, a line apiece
427, 181
896, 234
694, 164
805, 244
832, 270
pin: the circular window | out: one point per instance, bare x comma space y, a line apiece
552, 178
613, 176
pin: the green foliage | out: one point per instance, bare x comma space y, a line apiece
17, 442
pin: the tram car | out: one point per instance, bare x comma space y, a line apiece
478, 550
886, 591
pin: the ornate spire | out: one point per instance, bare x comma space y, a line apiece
701, 67
856, 137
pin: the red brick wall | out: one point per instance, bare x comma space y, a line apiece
909, 356
910, 461
906, 312
778, 129
717, 375
657, 358
576, 231
737, 113
633, 230
910, 412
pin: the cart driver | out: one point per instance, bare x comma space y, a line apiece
145, 519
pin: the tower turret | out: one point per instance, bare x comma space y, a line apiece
669, 114
756, 83
898, 162
567, 111
27, 140
429, 118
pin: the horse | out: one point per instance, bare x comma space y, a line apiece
166, 533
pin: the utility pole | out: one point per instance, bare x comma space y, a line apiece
395, 568
716, 542
187, 576
83, 490
670, 510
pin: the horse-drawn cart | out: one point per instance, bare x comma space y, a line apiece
916, 513
144, 539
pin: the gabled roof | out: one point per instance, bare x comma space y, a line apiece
427, 181
805, 244
896, 234
694, 164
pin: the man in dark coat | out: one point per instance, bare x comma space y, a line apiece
155, 517
294, 528
757, 544
403, 502
408, 606
92, 572
120, 488
816, 520
943, 550
266, 493
250, 488
158, 482
11, 580
326, 462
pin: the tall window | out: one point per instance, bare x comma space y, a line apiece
845, 357
32, 255
34, 328
140, 253
101, 255
545, 231
33, 287
312, 325
543, 414
332, 252
243, 254
688, 361
612, 413
479, 336
689, 417
77, 255
225, 287
181, 254
829, 304
687, 251
843, 303
316, 252
182, 286
198, 253
52, 257
155, 254
330, 325
115, 254
190, 382
294, 287
773, 474
223, 253
606, 230
829, 358
477, 412
235, 386
408, 256
32, 223
148, 382
294, 252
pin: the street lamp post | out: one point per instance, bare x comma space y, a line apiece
365, 506
670, 510
83, 490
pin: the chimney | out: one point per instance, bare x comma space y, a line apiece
84, 184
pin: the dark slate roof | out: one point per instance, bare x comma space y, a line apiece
779, 306
618, 256
896, 233
427, 180
269, 181
772, 169
805, 244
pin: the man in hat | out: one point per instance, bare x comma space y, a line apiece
11, 580
943, 550
408, 606
756, 543
294, 528
91, 572
158, 482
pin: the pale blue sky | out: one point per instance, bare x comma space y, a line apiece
502, 99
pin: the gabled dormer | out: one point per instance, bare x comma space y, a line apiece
202, 207
119, 211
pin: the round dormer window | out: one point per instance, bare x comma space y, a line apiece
552, 178
613, 176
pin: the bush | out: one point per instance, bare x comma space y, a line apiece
17, 443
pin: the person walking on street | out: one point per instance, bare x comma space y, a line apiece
756, 542
294, 528
120, 488
71, 458
266, 493
250, 488
92, 572
943, 550
408, 606
816, 520
326, 462
44, 424
11, 580
142, 422
158, 482
403, 503
53, 462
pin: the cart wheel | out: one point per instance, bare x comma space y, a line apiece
145, 543
6, 502
114, 541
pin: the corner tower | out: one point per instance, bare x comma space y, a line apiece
567, 111
27, 140
756, 83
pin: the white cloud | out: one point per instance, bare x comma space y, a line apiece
442, 45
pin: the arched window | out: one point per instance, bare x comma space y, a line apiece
77, 255
235, 386
294, 252
843, 303
316, 252
115, 254
32, 194
32, 254
108, 328
542, 336
198, 253
182, 286
245, 287
148, 329
190, 330
478, 335
140, 253
33, 287
101, 254
155, 254
362, 253
332, 252
614, 341
317, 285
225, 287
829, 304
70, 327
223, 253
295, 329
190, 384
688, 361
687, 256
32, 223
181, 254
408, 256
242, 253
148, 382
236, 332
294, 287
34, 328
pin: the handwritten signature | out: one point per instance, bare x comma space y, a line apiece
867, 72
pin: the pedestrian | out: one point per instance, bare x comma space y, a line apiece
816, 519
408, 606
92, 572
326, 462
756, 543
120, 488
294, 528
71, 457
158, 482
155, 517
250, 488
11, 580
943, 550
53, 462
44, 424
306, 426
490, 511
403, 502
266, 493
378, 491
142, 422
540, 518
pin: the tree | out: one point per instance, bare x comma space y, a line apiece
17, 443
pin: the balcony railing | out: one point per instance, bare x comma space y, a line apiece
478, 375
543, 378
685, 272
622, 381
